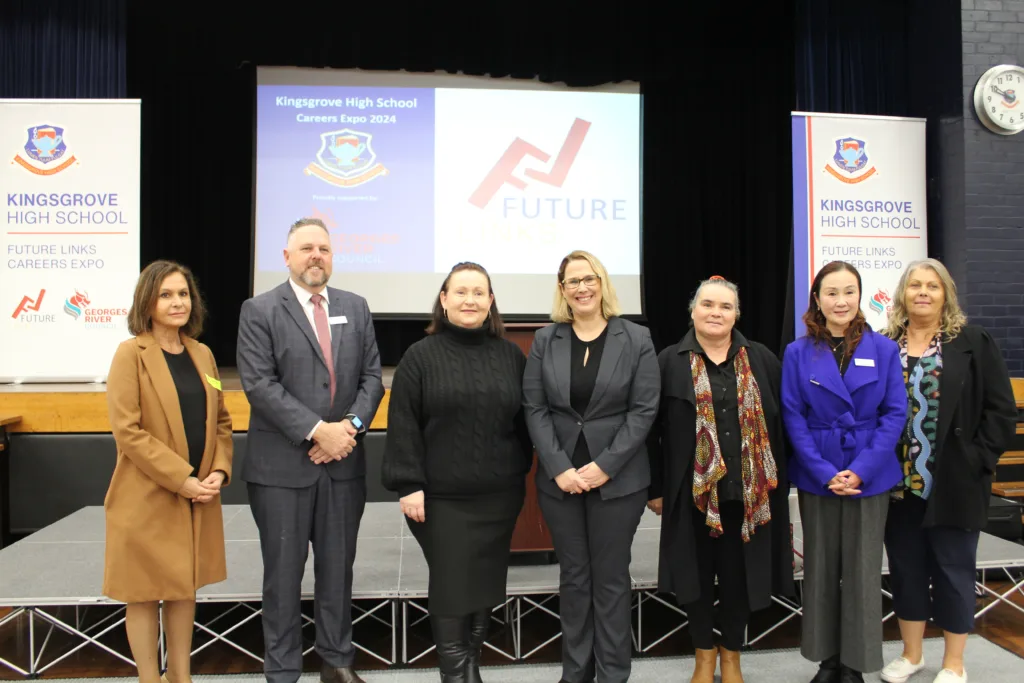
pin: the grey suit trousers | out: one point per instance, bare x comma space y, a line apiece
843, 578
328, 514
593, 539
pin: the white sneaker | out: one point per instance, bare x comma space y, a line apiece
901, 669
947, 676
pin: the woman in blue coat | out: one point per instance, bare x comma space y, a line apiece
844, 406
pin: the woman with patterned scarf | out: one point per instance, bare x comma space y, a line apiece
960, 418
718, 479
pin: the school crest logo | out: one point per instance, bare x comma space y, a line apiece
850, 161
46, 151
346, 159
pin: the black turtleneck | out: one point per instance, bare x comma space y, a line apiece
455, 419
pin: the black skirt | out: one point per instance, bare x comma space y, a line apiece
467, 542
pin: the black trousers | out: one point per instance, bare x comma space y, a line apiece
593, 540
720, 557
328, 514
942, 557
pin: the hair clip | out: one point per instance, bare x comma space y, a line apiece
716, 277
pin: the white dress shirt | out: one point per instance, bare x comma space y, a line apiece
305, 299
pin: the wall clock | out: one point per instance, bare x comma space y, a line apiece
999, 99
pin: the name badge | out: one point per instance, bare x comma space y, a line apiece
864, 362
214, 382
337, 320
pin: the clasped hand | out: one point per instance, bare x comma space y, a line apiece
845, 483
202, 491
588, 477
332, 441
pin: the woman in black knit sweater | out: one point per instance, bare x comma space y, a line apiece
457, 454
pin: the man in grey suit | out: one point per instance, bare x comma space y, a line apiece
309, 365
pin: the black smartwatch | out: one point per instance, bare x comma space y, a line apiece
356, 422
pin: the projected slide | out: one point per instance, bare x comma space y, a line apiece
363, 163
411, 180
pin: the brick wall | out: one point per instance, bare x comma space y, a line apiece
993, 258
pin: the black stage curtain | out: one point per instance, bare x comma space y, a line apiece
716, 163
719, 82
62, 48
887, 58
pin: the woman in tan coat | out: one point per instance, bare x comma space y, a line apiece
164, 530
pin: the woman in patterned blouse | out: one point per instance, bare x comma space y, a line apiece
960, 418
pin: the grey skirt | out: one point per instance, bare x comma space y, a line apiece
842, 596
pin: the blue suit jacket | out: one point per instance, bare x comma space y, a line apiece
850, 422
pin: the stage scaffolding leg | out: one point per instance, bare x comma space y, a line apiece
14, 615
647, 596
1015, 587
88, 639
163, 641
405, 632
638, 640
222, 636
32, 642
535, 606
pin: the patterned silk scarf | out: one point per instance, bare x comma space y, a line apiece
759, 473
917, 445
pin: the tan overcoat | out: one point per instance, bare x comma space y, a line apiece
159, 545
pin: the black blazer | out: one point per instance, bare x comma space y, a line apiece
977, 422
768, 556
621, 411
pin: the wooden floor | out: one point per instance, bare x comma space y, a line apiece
1003, 626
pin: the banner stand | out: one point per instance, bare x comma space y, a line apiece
69, 236
859, 195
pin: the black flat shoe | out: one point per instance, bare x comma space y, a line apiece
851, 676
829, 671
343, 674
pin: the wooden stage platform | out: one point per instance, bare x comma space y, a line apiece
82, 408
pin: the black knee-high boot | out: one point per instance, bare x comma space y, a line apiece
479, 622
450, 638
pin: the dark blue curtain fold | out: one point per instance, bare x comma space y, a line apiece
853, 57
63, 49
882, 58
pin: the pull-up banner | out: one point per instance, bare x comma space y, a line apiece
69, 235
860, 196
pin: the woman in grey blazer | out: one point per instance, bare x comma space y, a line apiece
591, 391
